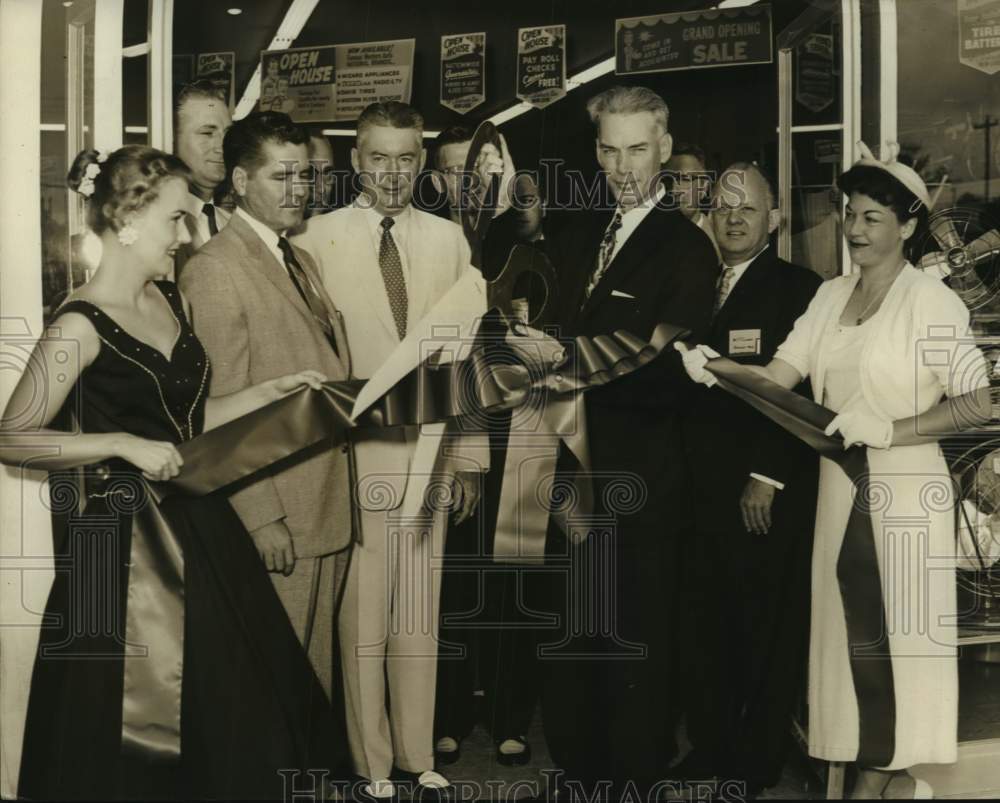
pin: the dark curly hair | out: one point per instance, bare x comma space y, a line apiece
885, 189
243, 145
127, 182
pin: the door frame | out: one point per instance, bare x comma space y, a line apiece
850, 125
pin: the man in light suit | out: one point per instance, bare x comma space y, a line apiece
388, 264
201, 119
260, 309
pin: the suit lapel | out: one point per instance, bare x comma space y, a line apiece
756, 273
332, 313
629, 257
418, 287
265, 263
583, 251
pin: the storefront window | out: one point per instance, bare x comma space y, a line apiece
949, 97
949, 127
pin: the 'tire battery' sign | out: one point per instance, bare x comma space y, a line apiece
979, 35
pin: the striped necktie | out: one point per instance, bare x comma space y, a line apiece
604, 254
722, 292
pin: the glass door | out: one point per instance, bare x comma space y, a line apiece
818, 109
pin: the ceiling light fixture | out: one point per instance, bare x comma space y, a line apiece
234, 11
67, 3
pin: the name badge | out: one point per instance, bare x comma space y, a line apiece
744, 341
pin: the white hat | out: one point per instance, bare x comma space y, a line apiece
904, 174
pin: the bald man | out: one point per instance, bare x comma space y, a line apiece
747, 559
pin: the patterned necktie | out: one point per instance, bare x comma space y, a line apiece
722, 292
213, 227
604, 254
392, 275
305, 287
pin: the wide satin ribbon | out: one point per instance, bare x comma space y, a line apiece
857, 564
275, 433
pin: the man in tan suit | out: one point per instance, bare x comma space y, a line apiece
261, 311
389, 264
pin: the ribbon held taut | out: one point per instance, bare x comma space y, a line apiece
431, 392
857, 565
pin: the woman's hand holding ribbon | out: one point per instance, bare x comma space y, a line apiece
285, 385
856, 427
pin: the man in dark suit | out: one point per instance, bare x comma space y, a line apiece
747, 561
610, 696
494, 673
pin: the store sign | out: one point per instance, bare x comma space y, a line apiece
815, 86
541, 64
463, 71
979, 35
336, 82
693, 40
827, 151
219, 68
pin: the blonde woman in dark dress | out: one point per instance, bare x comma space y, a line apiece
166, 666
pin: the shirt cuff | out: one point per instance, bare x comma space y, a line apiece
779, 485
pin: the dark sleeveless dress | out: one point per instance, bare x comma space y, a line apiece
250, 703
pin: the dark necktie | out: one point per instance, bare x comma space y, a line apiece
604, 254
392, 274
305, 287
213, 227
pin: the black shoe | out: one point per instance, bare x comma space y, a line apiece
517, 759
696, 766
442, 758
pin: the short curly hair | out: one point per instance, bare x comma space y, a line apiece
127, 182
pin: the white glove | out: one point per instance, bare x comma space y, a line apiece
862, 428
694, 362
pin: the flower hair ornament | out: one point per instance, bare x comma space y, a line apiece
86, 188
904, 174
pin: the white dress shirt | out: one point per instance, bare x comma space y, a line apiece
202, 234
265, 233
738, 270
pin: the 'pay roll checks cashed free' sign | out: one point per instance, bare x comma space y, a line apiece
336, 82
541, 64
693, 39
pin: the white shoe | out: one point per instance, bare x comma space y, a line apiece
446, 745
380, 790
433, 780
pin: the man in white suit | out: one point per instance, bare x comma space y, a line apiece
387, 264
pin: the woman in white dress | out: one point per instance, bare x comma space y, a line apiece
882, 347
